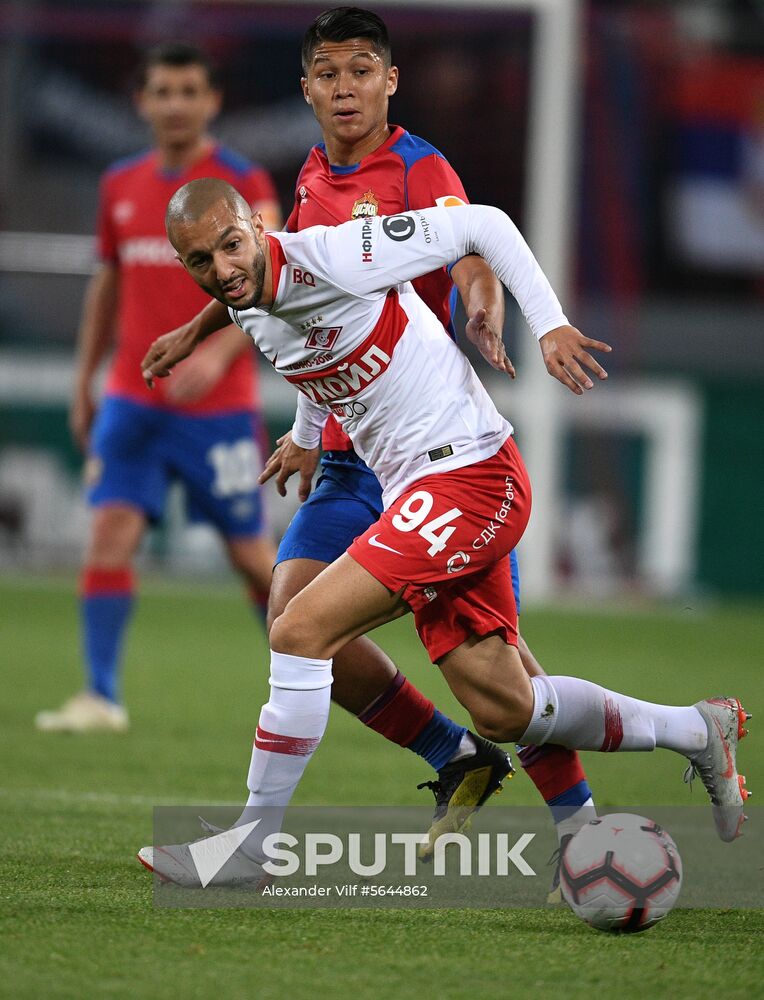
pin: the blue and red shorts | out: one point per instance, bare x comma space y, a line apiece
138, 451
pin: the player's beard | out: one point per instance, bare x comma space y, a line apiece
256, 276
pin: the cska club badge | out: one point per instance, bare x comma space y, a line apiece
366, 206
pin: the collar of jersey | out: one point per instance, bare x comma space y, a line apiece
395, 134
173, 175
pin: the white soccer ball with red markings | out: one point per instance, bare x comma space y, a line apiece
621, 873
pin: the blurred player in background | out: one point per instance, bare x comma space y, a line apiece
366, 167
203, 428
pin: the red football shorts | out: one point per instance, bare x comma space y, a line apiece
444, 546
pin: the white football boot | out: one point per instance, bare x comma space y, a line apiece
85, 712
212, 861
716, 764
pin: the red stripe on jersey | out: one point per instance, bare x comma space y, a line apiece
346, 376
295, 746
278, 262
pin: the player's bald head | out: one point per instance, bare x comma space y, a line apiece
195, 199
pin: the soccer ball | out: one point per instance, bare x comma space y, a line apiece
621, 873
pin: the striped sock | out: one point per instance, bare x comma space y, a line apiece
404, 716
291, 726
559, 776
106, 605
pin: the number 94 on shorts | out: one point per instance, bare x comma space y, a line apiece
446, 526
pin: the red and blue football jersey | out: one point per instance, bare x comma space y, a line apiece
404, 173
155, 292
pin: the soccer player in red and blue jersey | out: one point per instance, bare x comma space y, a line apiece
203, 427
366, 167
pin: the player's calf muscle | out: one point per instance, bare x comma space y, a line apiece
488, 678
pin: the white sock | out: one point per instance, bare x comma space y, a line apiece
584, 716
289, 730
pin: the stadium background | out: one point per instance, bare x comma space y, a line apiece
670, 159
667, 265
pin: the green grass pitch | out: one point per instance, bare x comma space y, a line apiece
76, 912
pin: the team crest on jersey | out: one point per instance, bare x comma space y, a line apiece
366, 206
123, 211
323, 338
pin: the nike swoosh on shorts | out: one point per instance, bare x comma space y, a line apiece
381, 545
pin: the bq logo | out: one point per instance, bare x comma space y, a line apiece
399, 227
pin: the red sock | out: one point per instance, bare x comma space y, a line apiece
400, 713
555, 771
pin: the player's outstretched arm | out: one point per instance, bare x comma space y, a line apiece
172, 347
207, 366
566, 356
483, 297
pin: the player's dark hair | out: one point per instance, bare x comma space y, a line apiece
338, 24
179, 54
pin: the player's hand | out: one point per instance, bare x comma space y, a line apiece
196, 376
81, 416
566, 355
287, 459
165, 353
489, 342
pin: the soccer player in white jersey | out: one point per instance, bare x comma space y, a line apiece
456, 492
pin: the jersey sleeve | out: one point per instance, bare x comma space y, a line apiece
292, 224
309, 421
433, 182
373, 255
106, 237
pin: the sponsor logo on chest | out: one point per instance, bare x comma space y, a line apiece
346, 379
123, 211
151, 251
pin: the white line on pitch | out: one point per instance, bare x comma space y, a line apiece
103, 798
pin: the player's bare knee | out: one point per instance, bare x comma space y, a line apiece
284, 636
292, 632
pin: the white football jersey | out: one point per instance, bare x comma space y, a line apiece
355, 338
